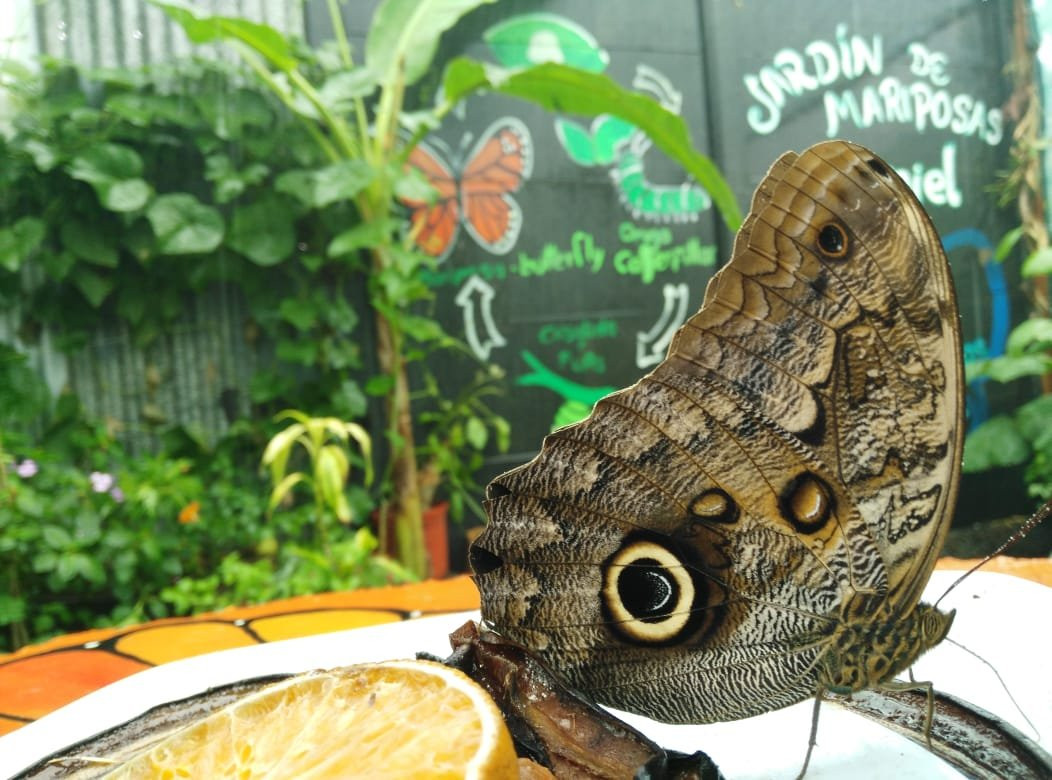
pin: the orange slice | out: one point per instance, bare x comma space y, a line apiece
396, 719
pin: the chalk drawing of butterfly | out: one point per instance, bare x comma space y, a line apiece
473, 190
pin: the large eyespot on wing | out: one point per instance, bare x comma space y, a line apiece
653, 595
434, 224
497, 166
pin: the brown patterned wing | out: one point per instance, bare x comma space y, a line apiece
689, 550
842, 254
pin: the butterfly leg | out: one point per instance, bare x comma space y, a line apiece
813, 740
913, 685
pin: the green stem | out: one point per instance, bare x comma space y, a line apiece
340, 32
391, 98
320, 527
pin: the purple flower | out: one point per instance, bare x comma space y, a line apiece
101, 482
27, 468
117, 494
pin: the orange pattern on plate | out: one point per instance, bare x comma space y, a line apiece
43, 677
40, 678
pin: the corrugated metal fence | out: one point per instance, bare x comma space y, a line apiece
196, 373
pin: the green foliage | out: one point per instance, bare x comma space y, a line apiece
1025, 436
326, 443
1028, 352
366, 148
124, 193
291, 570
461, 428
127, 191
91, 536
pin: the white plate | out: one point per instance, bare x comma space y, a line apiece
1003, 619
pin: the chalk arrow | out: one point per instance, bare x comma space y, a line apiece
652, 345
476, 300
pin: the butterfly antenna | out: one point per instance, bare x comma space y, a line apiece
1036, 519
1000, 679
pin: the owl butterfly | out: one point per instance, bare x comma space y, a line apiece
476, 193
753, 522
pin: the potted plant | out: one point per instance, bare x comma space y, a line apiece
356, 113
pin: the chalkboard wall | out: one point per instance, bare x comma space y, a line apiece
610, 246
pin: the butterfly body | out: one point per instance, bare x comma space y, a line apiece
752, 523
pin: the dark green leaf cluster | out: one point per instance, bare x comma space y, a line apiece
123, 193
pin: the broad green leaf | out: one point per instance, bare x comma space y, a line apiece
132, 304
45, 562
475, 433
1029, 336
277, 495
1039, 263
340, 89
277, 451
89, 242
301, 351
183, 225
365, 445
1006, 368
337, 312
262, 38
419, 123
231, 112
229, 181
1034, 419
293, 414
57, 265
263, 231
145, 110
56, 537
994, 444
406, 33
362, 236
44, 155
502, 428
423, 328
301, 314
330, 474
106, 163
412, 186
1007, 244
125, 195
89, 568
93, 286
379, 385
19, 241
318, 188
562, 89
12, 609
350, 400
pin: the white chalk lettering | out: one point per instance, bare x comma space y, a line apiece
892, 101
938, 185
924, 102
822, 63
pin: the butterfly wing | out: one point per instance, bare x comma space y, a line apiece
434, 223
689, 550
496, 167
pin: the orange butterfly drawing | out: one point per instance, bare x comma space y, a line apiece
475, 190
